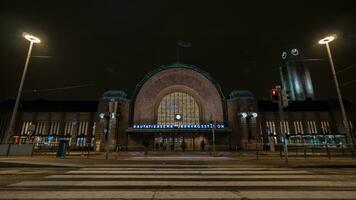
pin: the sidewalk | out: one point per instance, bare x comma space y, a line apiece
221, 159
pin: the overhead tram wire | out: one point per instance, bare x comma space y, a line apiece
42, 56
59, 88
306, 60
348, 83
346, 68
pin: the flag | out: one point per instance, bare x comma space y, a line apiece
182, 43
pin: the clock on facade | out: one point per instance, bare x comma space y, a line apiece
295, 52
178, 117
284, 55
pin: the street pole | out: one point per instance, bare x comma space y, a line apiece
10, 130
344, 117
107, 126
213, 130
178, 52
282, 125
281, 118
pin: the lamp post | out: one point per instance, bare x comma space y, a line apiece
109, 118
105, 117
213, 130
326, 41
32, 39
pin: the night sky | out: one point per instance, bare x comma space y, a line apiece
111, 45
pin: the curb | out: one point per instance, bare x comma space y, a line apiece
36, 164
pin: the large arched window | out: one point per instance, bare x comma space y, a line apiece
178, 108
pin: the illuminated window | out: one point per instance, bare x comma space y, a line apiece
68, 128
311, 127
83, 128
298, 127
272, 127
178, 103
27, 128
284, 127
325, 127
42, 128
54, 128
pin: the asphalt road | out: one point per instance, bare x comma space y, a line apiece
176, 181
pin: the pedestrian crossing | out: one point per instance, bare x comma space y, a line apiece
185, 182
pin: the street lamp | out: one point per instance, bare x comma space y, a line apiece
326, 41
32, 39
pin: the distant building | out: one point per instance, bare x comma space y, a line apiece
296, 76
172, 105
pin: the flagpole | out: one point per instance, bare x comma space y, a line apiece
178, 52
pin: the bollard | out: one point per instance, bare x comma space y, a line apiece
342, 149
296, 149
88, 150
8, 150
352, 151
33, 150
327, 151
285, 148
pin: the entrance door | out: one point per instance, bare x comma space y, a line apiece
174, 143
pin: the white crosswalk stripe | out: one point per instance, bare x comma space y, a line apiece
185, 182
191, 172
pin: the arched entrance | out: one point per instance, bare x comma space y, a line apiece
173, 104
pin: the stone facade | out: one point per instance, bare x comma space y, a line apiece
244, 117
244, 130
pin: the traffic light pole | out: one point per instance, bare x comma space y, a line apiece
281, 117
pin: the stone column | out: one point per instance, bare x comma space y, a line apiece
62, 124
90, 128
75, 130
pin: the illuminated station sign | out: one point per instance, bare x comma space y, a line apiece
182, 126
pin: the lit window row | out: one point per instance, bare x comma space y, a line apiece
53, 128
298, 127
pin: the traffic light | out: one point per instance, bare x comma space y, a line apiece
285, 98
275, 95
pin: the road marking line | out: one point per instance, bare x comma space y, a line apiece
188, 172
90, 176
101, 194
185, 183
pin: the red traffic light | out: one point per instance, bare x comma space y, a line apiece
274, 92
275, 95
